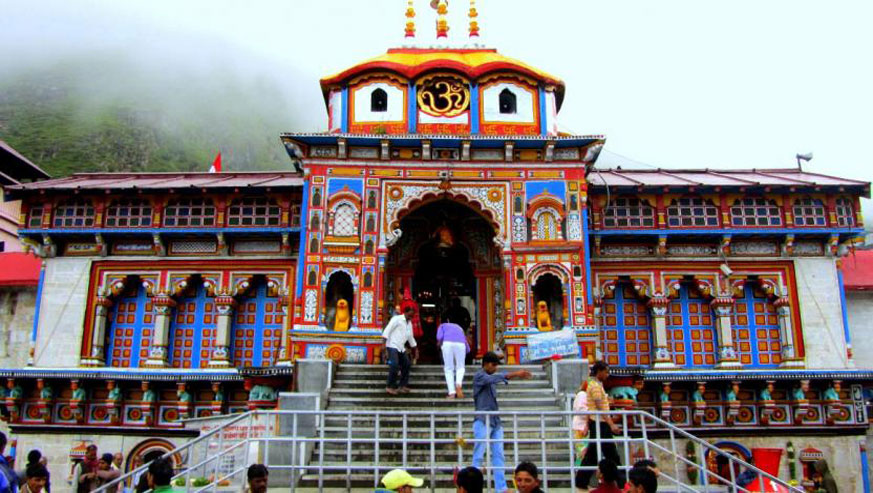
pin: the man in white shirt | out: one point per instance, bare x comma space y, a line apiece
397, 334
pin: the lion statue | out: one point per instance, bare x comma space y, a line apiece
544, 320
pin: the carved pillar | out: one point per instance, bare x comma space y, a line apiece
159, 348
224, 305
286, 355
97, 355
658, 307
786, 334
723, 308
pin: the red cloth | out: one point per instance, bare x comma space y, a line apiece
216, 165
19, 269
606, 488
858, 270
416, 321
767, 460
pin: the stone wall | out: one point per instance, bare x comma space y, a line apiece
62, 312
56, 447
821, 313
842, 454
17, 305
860, 308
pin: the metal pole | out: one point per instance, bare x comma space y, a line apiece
294, 452
487, 462
572, 442
321, 456
675, 456
349, 452
625, 439
404, 437
378, 441
543, 452
432, 453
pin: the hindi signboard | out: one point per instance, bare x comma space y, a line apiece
547, 344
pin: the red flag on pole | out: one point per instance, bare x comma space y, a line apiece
216, 165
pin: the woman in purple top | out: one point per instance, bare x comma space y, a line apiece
453, 342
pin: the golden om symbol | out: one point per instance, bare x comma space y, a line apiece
443, 96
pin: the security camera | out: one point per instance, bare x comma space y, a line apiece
727, 271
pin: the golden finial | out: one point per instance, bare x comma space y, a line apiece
442, 7
410, 20
474, 24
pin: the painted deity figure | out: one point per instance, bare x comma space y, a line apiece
628, 393
79, 393
114, 393
46, 393
799, 393
766, 392
148, 395
732, 393
262, 393
664, 396
833, 392
342, 316
544, 320
697, 396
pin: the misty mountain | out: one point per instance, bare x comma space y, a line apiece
108, 113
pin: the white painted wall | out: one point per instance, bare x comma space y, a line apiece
62, 312
362, 111
335, 104
524, 100
462, 119
551, 114
821, 313
860, 308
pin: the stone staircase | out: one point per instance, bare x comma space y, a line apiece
357, 387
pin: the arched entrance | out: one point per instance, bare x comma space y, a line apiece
548, 288
339, 287
447, 258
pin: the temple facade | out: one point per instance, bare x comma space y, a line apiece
442, 182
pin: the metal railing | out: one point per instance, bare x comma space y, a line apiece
353, 449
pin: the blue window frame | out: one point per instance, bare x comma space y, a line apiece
625, 329
192, 331
132, 324
257, 329
755, 327
691, 329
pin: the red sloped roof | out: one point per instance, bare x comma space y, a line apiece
858, 270
19, 269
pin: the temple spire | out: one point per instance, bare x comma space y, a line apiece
410, 20
442, 26
474, 24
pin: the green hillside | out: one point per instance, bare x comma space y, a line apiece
103, 117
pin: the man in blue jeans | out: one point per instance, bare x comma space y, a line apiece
397, 334
485, 398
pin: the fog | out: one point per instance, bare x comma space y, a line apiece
679, 83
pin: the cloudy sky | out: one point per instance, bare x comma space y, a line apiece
678, 83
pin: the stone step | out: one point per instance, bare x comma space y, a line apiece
409, 401
467, 386
502, 393
421, 433
435, 371
363, 478
422, 423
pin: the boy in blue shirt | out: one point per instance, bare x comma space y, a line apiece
485, 398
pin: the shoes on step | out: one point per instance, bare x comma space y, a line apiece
459, 392
391, 391
450, 396
405, 390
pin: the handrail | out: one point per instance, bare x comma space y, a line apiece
641, 437
178, 450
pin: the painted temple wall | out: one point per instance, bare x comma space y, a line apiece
821, 313
56, 448
841, 452
860, 309
62, 312
17, 305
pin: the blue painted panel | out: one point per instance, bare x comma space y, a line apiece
257, 329
192, 330
691, 330
334, 185
534, 188
626, 334
474, 108
301, 250
544, 129
756, 333
35, 329
412, 108
588, 292
131, 326
733, 232
844, 309
344, 124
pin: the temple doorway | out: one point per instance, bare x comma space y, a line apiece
446, 261
548, 288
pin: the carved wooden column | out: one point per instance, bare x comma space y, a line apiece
97, 354
224, 306
159, 349
658, 307
723, 308
286, 355
786, 334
